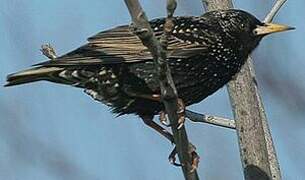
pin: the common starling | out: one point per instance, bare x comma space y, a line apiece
204, 53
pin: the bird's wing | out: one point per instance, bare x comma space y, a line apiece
121, 45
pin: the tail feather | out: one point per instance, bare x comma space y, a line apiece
32, 75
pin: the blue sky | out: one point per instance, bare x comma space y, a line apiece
50, 131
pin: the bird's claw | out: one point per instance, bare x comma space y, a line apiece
195, 161
172, 158
181, 120
194, 157
193, 154
163, 119
181, 114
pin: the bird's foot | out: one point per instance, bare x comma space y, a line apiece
172, 158
163, 118
193, 155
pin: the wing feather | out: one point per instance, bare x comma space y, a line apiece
121, 45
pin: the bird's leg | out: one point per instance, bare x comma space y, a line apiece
153, 97
157, 98
148, 120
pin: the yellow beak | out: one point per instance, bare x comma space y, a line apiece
269, 28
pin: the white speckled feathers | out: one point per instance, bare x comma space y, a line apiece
114, 67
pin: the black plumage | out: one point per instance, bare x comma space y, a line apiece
204, 53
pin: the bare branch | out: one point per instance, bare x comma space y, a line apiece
256, 146
214, 120
168, 91
276, 7
171, 7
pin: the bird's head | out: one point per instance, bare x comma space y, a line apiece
244, 27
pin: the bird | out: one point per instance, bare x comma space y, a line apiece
115, 68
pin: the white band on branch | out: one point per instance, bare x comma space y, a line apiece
214, 120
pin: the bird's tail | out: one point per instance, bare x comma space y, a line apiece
32, 75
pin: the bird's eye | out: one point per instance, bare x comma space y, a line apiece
255, 32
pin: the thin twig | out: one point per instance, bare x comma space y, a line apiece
168, 91
214, 120
276, 7
169, 24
